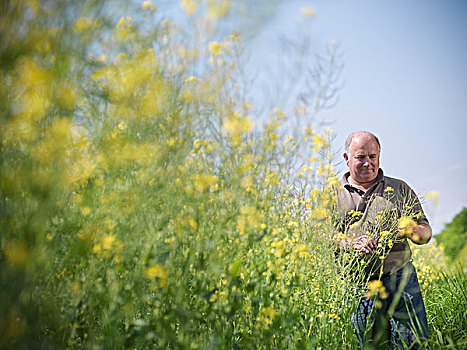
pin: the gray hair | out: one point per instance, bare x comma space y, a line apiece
348, 142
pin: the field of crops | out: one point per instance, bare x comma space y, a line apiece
144, 203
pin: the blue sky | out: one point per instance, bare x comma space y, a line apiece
405, 79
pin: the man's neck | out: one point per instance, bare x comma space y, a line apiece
362, 186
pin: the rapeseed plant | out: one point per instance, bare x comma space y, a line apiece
143, 203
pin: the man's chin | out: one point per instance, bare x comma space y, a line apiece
367, 178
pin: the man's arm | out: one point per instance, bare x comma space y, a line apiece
420, 232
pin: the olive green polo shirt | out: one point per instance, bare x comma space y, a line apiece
376, 210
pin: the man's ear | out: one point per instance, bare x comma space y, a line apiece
346, 157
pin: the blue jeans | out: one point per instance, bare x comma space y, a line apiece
397, 322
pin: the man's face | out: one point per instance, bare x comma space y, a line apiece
363, 160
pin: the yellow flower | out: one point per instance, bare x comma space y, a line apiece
267, 314
433, 196
189, 6
124, 22
102, 58
148, 5
376, 288
217, 9
157, 271
318, 142
16, 253
191, 79
216, 48
307, 12
406, 226
192, 223
233, 37
96, 249
83, 24
86, 211
107, 241
76, 287
385, 234
302, 251
236, 126
124, 28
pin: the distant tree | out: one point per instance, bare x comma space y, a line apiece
454, 236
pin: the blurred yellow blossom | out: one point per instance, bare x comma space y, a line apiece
246, 182
250, 218
302, 251
267, 315
157, 271
86, 211
101, 58
236, 126
307, 12
433, 196
217, 9
319, 142
75, 286
107, 241
124, 28
216, 48
189, 6
124, 22
16, 253
191, 79
83, 24
376, 287
148, 5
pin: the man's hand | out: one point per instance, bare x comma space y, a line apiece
418, 234
421, 234
364, 243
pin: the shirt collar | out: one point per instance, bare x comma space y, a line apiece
345, 182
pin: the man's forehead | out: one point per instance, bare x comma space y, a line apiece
364, 143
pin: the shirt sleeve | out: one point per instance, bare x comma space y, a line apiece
414, 207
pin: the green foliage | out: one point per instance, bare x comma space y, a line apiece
454, 236
446, 304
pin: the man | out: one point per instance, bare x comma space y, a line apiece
370, 206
